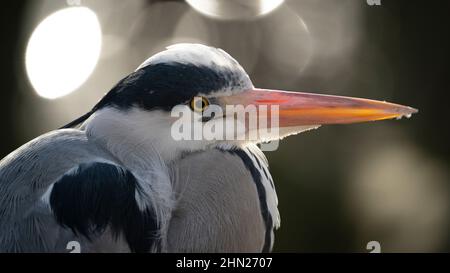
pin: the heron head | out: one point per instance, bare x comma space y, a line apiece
192, 97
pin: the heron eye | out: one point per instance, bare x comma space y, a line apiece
199, 104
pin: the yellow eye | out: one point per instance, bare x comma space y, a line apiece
199, 104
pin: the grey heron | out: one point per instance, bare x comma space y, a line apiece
115, 179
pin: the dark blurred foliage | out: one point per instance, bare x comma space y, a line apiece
12, 59
411, 66
413, 39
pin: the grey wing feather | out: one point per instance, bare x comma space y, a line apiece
27, 223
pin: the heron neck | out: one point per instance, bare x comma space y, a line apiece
133, 136
117, 132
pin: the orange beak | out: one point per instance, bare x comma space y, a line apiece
303, 109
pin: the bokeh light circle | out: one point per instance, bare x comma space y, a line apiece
234, 9
63, 51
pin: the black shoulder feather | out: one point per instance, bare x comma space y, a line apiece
99, 195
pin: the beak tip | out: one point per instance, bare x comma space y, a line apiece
411, 110
407, 112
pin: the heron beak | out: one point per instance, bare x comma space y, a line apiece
305, 109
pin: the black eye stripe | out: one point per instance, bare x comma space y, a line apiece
165, 85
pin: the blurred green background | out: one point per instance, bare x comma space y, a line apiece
339, 187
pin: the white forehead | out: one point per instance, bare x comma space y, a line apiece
195, 54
